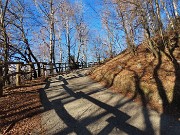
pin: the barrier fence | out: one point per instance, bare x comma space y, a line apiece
19, 71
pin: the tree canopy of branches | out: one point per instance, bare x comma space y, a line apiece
139, 19
52, 30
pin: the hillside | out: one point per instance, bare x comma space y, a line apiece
153, 81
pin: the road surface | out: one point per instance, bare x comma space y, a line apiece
75, 104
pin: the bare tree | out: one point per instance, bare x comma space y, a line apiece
19, 23
175, 6
42, 45
81, 32
52, 32
143, 18
5, 40
3, 11
99, 50
159, 20
122, 9
66, 14
48, 10
109, 28
164, 6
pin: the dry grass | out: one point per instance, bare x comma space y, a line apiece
126, 72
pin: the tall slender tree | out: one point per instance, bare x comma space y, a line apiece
66, 14
5, 39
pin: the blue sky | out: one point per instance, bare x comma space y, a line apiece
92, 12
92, 16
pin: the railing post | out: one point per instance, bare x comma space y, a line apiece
85, 64
45, 70
59, 67
42, 71
39, 69
82, 65
65, 67
18, 79
1, 81
51, 69
30, 71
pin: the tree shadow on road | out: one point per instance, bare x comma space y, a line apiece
58, 106
117, 121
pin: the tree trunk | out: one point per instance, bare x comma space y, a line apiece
52, 36
69, 50
130, 45
145, 25
6, 55
61, 58
51, 32
175, 8
84, 53
1, 80
5, 37
150, 43
32, 65
160, 24
68, 41
78, 54
32, 55
167, 13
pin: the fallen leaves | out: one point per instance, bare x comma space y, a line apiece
127, 72
20, 110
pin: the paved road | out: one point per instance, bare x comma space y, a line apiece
74, 104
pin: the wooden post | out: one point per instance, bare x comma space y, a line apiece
82, 65
42, 71
1, 81
51, 69
45, 70
30, 70
18, 79
65, 67
59, 67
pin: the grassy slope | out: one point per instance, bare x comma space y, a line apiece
153, 80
